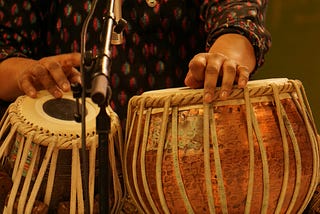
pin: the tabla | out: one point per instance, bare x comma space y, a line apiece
255, 152
34, 133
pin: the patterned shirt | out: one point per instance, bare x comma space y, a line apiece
160, 39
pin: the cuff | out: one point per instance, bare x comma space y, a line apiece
259, 38
8, 53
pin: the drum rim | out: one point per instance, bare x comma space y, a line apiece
26, 122
182, 96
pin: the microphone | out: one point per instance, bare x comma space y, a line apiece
117, 35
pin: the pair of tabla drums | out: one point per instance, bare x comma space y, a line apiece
256, 152
41, 150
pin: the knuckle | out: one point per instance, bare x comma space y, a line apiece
39, 70
52, 65
197, 61
229, 68
212, 69
23, 83
218, 54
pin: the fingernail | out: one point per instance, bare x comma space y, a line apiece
223, 94
207, 98
65, 86
31, 94
79, 79
187, 80
57, 94
242, 83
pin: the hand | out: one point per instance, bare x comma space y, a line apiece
231, 58
54, 73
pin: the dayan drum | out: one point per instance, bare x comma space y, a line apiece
256, 152
41, 143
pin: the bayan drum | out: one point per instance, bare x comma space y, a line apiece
41, 143
256, 152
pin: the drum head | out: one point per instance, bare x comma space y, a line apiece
56, 115
186, 90
63, 109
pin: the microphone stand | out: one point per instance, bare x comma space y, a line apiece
101, 95
95, 81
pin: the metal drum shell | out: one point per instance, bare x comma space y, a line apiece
256, 152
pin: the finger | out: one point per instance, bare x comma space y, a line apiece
69, 59
229, 69
195, 76
244, 75
67, 73
56, 74
42, 75
214, 63
73, 75
26, 85
192, 81
36, 78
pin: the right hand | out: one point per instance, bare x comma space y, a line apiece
53, 73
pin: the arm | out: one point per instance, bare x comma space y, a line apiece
237, 42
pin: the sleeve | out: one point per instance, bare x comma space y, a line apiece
237, 16
20, 29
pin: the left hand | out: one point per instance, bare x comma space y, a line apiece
231, 57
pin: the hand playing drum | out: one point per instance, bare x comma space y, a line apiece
27, 76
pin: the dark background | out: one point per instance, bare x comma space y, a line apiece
295, 52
